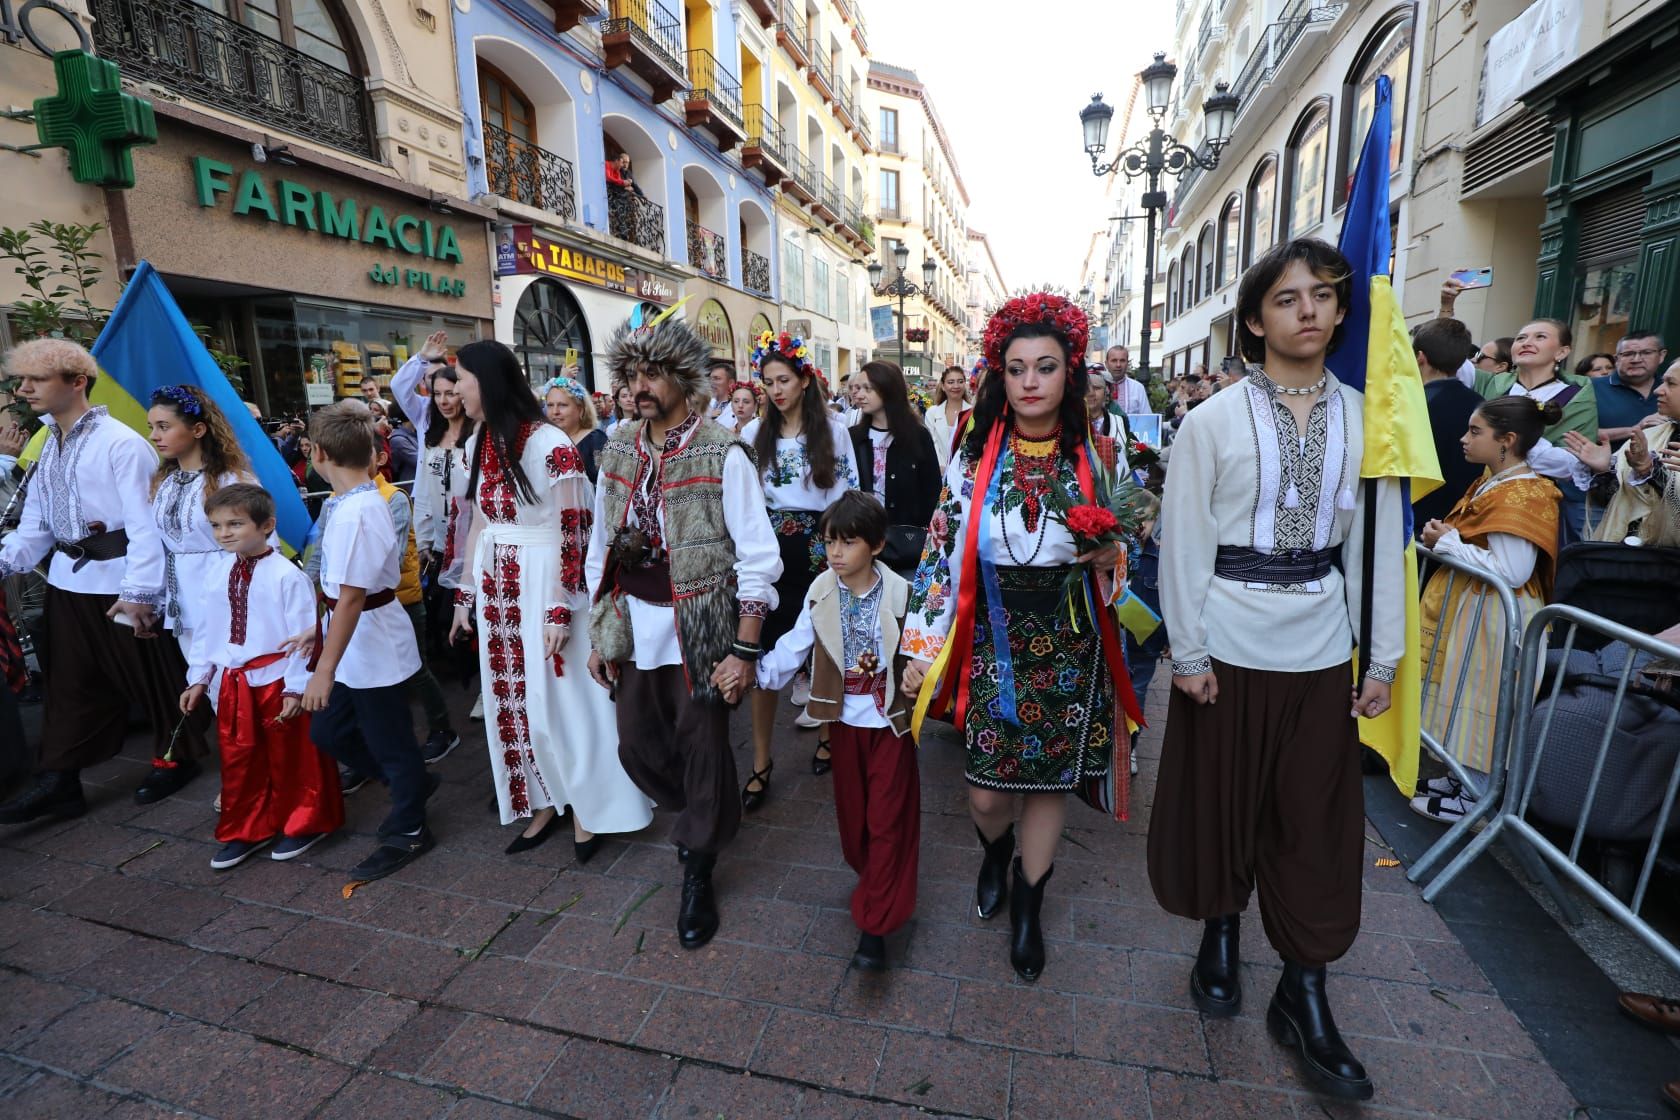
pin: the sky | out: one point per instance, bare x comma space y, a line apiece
1008, 80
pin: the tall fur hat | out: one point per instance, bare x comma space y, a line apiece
667, 343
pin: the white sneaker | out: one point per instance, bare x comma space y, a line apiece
477, 709
1444, 786
1448, 809
801, 692
803, 719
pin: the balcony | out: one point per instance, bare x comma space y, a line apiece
890, 212
766, 149
821, 72
520, 171
714, 100
1276, 41
569, 13
209, 58
644, 36
861, 229
707, 251
790, 32
865, 138
889, 145
845, 108
765, 10
632, 218
827, 206
859, 31
801, 185
755, 272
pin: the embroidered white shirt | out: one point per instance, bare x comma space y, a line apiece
279, 603
787, 480
360, 548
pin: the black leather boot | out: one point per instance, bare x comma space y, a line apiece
1026, 942
51, 793
993, 886
1216, 979
697, 921
1299, 1018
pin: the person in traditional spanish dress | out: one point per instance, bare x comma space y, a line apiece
805, 461
1034, 679
1507, 525
553, 735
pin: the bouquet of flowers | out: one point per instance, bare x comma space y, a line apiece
1140, 456
1108, 522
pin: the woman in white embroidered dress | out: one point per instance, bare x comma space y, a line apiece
197, 455
552, 734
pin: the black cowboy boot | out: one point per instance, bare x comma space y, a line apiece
993, 885
697, 921
1299, 1018
1026, 942
51, 793
1216, 979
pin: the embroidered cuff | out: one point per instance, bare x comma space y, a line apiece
1192, 668
1380, 672
464, 597
144, 598
754, 608
558, 616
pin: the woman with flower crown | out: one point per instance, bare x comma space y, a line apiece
1008, 623
805, 462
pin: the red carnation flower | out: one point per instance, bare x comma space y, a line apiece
1090, 521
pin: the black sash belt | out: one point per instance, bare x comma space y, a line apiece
107, 544
1293, 565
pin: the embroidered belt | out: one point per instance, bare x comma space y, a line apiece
374, 600
860, 683
1291, 565
107, 544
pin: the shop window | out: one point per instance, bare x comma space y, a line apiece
1309, 149
1388, 51
548, 326
1230, 241
1262, 198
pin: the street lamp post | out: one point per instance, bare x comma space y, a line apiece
1157, 153
901, 285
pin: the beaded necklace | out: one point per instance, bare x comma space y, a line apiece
1033, 471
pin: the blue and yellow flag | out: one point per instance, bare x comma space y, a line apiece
1377, 358
148, 344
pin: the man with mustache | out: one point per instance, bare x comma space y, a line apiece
682, 566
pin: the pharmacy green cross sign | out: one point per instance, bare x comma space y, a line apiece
94, 120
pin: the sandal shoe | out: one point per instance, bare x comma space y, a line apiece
752, 798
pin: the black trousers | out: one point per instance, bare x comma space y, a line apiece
371, 731
95, 672
676, 749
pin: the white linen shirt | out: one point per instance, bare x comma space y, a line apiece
279, 603
360, 548
100, 471
1134, 398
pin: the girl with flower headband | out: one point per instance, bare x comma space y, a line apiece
1507, 524
569, 407
746, 400
1039, 690
805, 462
197, 455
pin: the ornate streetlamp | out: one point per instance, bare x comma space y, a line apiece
901, 285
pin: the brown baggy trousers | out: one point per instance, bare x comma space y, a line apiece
1263, 787
676, 749
95, 670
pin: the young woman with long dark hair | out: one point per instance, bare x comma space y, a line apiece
805, 461
1041, 696
945, 416
553, 735
896, 461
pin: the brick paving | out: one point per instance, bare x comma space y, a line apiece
137, 982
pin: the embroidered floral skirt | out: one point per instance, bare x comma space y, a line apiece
803, 559
1063, 700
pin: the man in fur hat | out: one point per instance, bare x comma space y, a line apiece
682, 569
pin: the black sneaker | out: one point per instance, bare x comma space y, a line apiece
349, 781
236, 852
165, 780
439, 745
393, 854
291, 847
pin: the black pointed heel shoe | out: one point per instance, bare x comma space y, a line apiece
1299, 1018
585, 850
523, 843
753, 798
1216, 977
820, 763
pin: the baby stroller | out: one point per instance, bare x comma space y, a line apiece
1636, 586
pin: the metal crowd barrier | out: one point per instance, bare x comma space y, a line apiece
1511, 824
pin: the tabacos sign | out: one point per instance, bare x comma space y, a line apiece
521, 251
302, 207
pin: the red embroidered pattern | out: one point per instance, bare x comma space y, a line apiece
239, 597
501, 616
563, 461
498, 496
575, 527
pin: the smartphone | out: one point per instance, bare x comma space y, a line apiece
1474, 277
571, 356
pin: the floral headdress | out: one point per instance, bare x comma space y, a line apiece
789, 348
181, 398
1038, 307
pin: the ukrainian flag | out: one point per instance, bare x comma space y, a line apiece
1376, 357
148, 344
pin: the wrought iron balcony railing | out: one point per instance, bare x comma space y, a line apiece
804, 173
1276, 39
765, 134
822, 71
790, 31
831, 198
710, 82
860, 29
635, 219
889, 145
707, 251
755, 272
523, 172
209, 58
865, 137
651, 27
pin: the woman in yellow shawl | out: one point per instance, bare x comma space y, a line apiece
1507, 525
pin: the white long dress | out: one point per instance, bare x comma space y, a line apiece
552, 731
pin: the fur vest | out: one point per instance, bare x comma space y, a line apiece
702, 555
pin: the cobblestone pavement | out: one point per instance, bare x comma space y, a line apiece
135, 981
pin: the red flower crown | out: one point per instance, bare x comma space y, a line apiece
1039, 307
